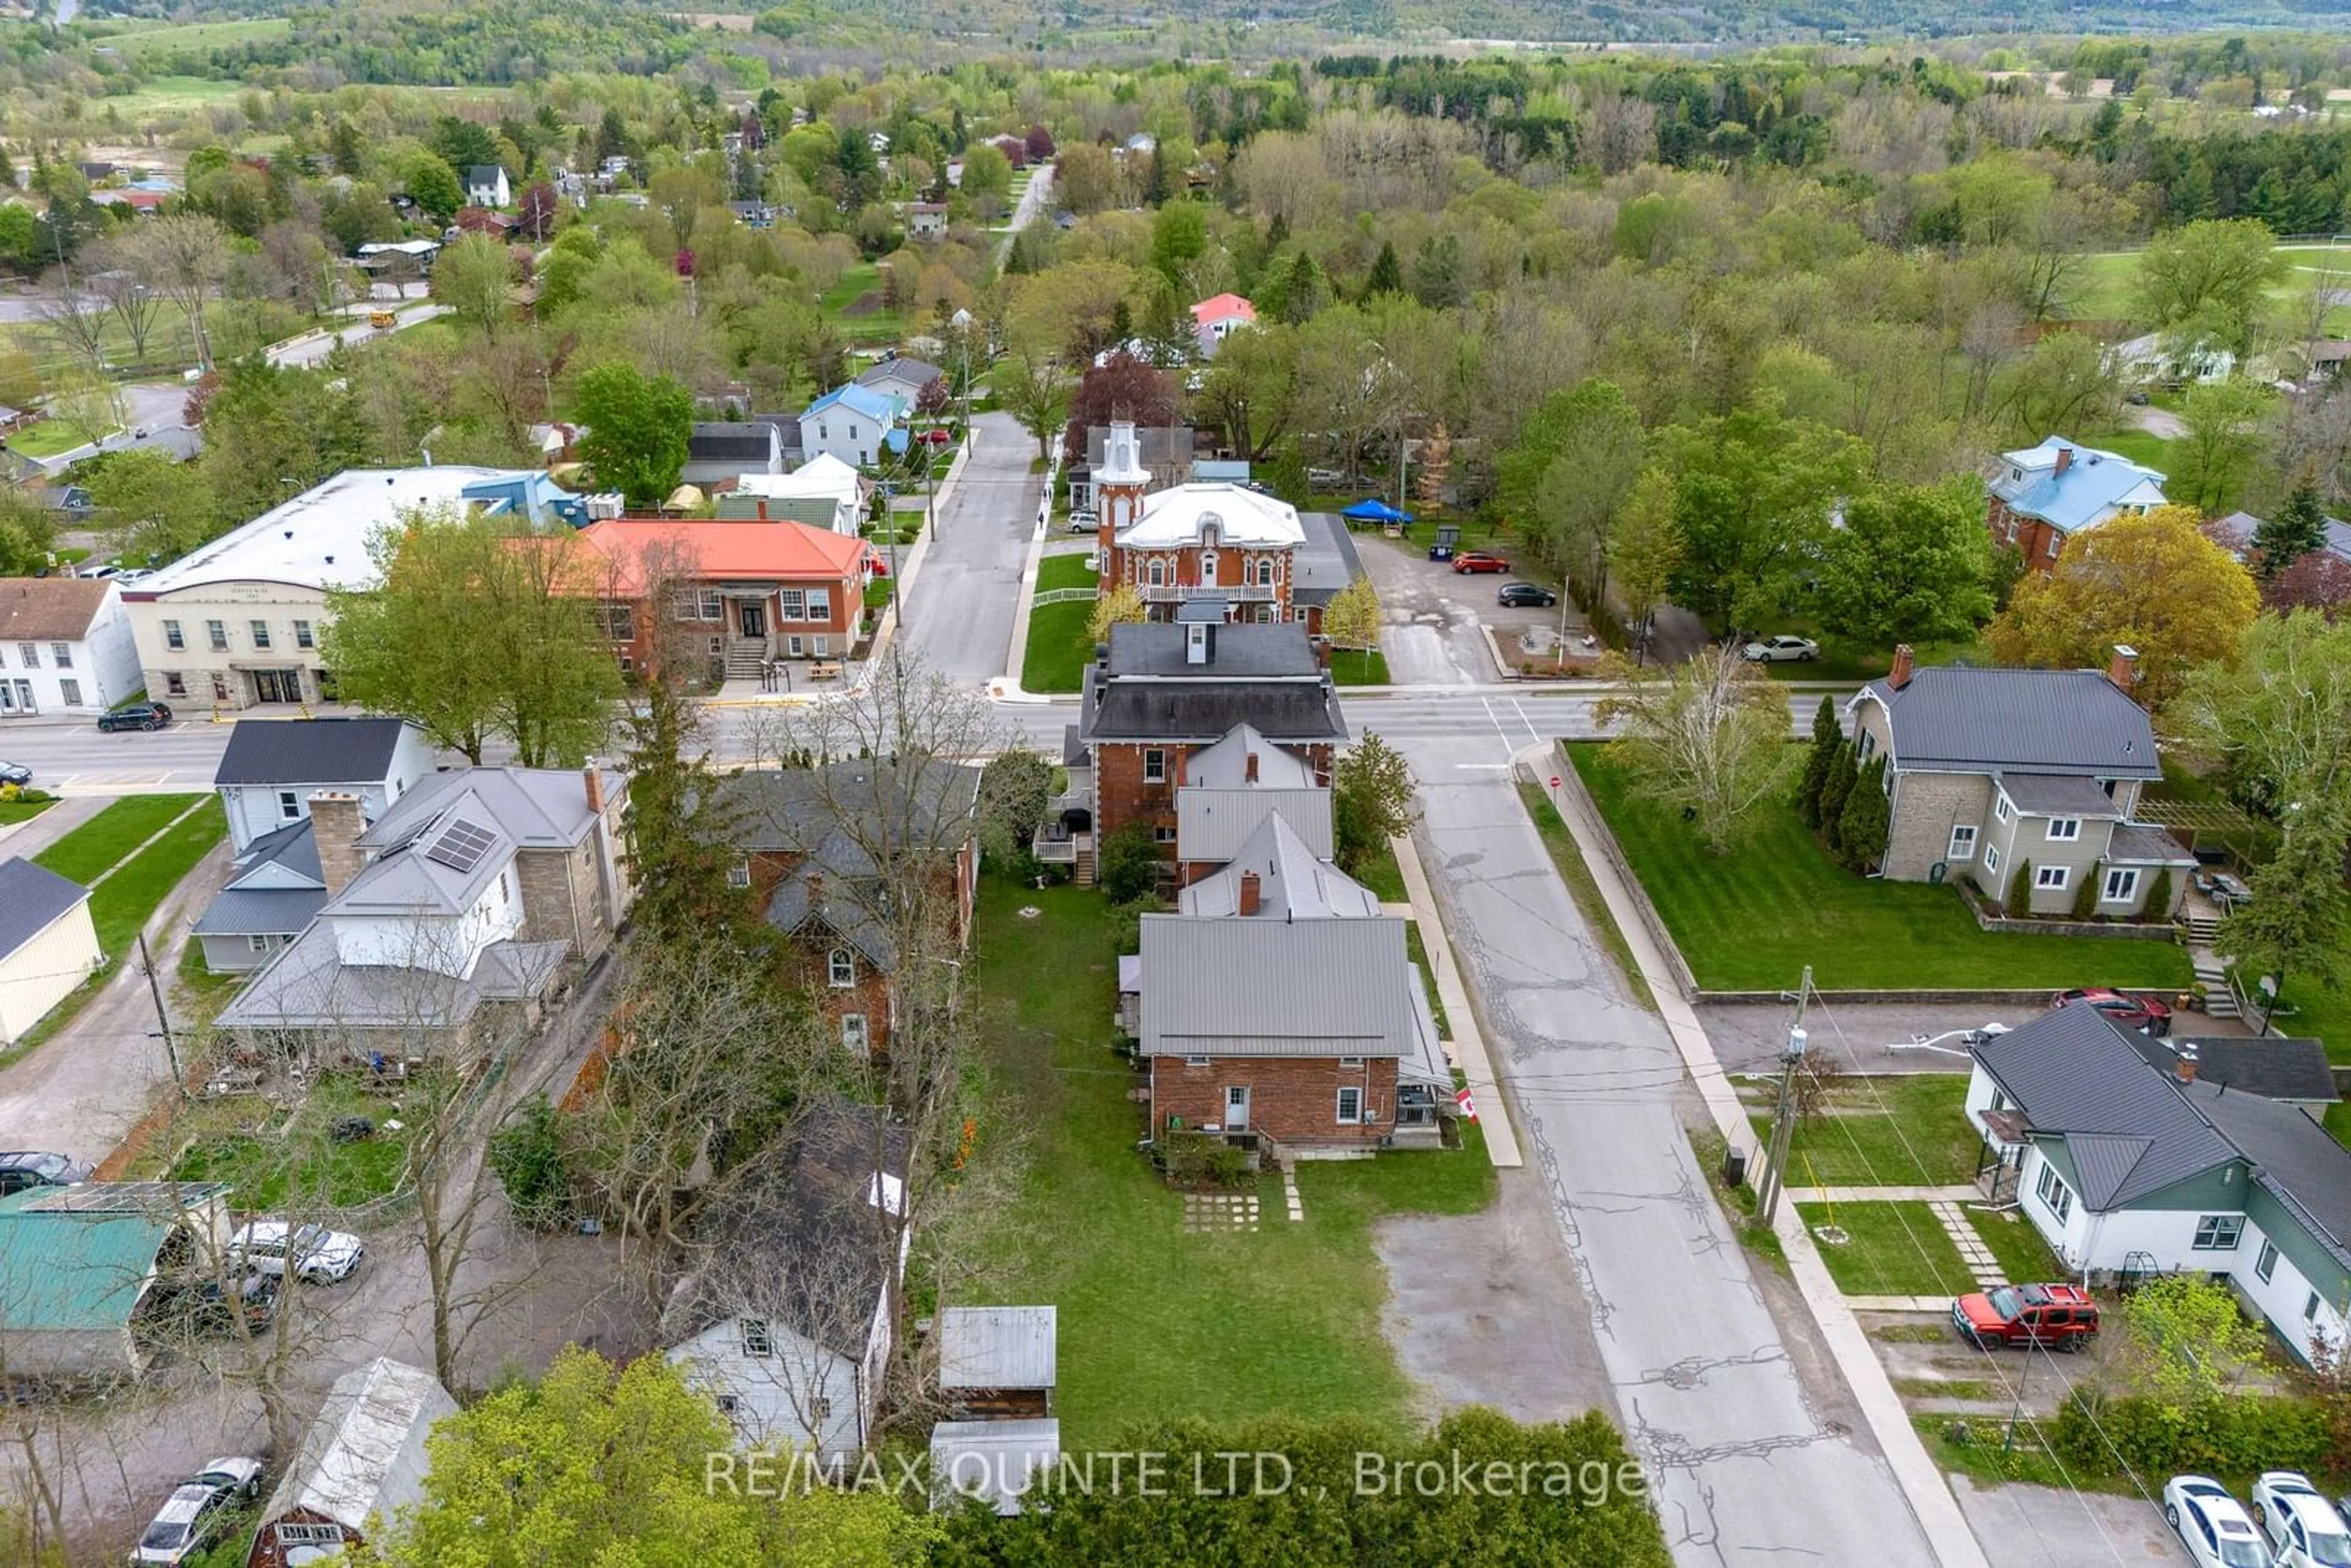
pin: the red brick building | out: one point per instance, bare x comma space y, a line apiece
1194, 544
2040, 497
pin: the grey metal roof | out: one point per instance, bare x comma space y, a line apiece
996, 1347
1295, 883
2073, 1075
441, 868
307, 986
1327, 563
539, 808
900, 371
365, 1453
1963, 718
2293, 1156
289, 751
991, 1461
1226, 765
2058, 795
1261, 988
279, 856
31, 898
1240, 651
260, 912
2276, 1068
2144, 844
1212, 825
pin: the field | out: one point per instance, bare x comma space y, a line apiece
2101, 290
165, 95
854, 307
146, 43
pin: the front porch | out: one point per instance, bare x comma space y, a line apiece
1066, 836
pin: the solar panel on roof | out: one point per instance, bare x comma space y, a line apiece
461, 845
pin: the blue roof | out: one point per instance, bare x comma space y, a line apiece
2092, 481
857, 400
528, 493
895, 440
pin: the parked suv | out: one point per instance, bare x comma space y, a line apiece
311, 1253
2062, 1316
19, 1171
2125, 1010
137, 715
1478, 560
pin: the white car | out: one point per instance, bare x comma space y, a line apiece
311, 1253
193, 1514
1083, 522
1780, 650
2304, 1530
2212, 1525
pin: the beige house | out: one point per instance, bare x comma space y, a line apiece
1992, 770
47, 945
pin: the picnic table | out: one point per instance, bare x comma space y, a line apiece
825, 670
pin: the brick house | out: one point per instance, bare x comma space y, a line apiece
2042, 496
1989, 769
1162, 692
740, 593
1229, 792
1279, 1001
822, 849
1192, 544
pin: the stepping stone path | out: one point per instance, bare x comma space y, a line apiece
1290, 1195
1965, 1237
1220, 1211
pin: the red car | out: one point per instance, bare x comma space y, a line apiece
2062, 1316
2125, 1009
1478, 561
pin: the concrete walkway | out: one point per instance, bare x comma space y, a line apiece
1945, 1528
1937, 1304
1469, 1043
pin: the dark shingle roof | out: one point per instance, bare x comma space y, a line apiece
2072, 1074
31, 897
1157, 648
753, 442
2058, 795
2293, 1156
309, 751
1291, 713
2275, 1069
1958, 717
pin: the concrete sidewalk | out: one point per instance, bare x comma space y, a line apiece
1468, 1044
1922, 1483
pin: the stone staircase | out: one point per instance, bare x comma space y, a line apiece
745, 655
2213, 974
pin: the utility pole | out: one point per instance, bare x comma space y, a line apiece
1784, 1117
162, 1018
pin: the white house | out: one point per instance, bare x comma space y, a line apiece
854, 423
824, 492
487, 186
272, 767
47, 945
1217, 318
65, 646
788, 1321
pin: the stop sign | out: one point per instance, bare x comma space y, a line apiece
1555, 780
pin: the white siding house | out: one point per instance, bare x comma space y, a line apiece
65, 646
47, 945
270, 770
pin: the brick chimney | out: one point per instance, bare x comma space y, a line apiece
593, 779
2122, 668
816, 889
1249, 768
336, 824
2065, 461
1900, 675
1249, 893
2188, 1056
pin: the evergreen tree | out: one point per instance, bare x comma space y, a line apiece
1827, 741
2086, 897
2157, 905
680, 832
1863, 822
2299, 527
1387, 273
1835, 789
1303, 296
2020, 892
1276, 234
1160, 183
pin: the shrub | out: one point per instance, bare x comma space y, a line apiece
527, 1155
2020, 892
1861, 826
1129, 863
2218, 1435
1197, 1159
2159, 895
2086, 897
1836, 784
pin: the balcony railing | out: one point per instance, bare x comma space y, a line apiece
1056, 848
1231, 593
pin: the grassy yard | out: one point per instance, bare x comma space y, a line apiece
1068, 570
1383, 876
123, 901
1356, 667
1892, 1250
1752, 919
2147, 450
23, 811
1568, 859
147, 42
1910, 1131
1158, 1324
854, 307
48, 437
2023, 1256
1058, 647
114, 833
300, 1162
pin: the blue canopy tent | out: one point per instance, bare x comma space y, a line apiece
1375, 510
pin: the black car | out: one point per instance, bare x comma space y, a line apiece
30, 1169
1526, 594
16, 773
137, 715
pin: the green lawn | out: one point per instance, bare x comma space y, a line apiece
1058, 647
123, 901
49, 437
1064, 571
1908, 1131
114, 833
2146, 450
302, 1163
1158, 1324
854, 307
1354, 667
2338, 1121
1416, 949
149, 41
1752, 919
2023, 1256
1894, 1250
1383, 876
23, 811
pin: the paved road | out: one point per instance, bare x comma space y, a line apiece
959, 608
1739, 1461
1032, 201
313, 347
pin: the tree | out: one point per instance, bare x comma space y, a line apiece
2188, 1340
2292, 532
1128, 863
2320, 580
1836, 790
185, 258
474, 630
1753, 491
2154, 583
158, 507
1032, 388
1709, 736
2211, 279
1862, 824
1121, 387
1354, 618
536, 209
2223, 441
1386, 276
683, 829
592, 1465
1644, 549
1820, 760
2298, 921
2277, 718
2020, 892
638, 431
1121, 606
432, 184
987, 172
1911, 564
272, 431
475, 278
1016, 788
1371, 801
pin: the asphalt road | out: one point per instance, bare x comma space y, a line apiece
960, 607
1737, 1458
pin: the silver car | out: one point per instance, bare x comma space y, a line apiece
311, 1253
1780, 650
193, 1515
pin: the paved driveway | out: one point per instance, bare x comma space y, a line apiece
1432, 637
1743, 1462
2037, 1527
960, 607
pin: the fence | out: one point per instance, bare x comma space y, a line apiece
1065, 595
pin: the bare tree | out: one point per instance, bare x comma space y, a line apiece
185, 259
1709, 735
132, 305
74, 318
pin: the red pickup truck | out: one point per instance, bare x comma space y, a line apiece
2061, 1316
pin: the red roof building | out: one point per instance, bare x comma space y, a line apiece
744, 594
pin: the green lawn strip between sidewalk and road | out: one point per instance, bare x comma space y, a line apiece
1354, 667
1894, 1248
1384, 876
1908, 1131
1568, 859
1750, 920
1282, 1321
1417, 951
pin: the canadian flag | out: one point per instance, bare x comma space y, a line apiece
1468, 1107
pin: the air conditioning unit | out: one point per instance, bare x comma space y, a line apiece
603, 506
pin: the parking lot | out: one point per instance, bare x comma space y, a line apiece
1436, 617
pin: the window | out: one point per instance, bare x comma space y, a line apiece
61, 655
728, 1404
2065, 829
1992, 857
2055, 1196
2121, 886
71, 691
739, 875
2266, 1264
790, 604
794, 647
840, 967
1264, 571
758, 1339
290, 805
2220, 1232
264, 944
619, 622
172, 638
175, 684
2052, 878
853, 1037
1868, 747
220, 687
1195, 1061
2310, 1308
1999, 808
302, 638
30, 653
820, 604
1351, 1062
1963, 844
217, 633
699, 604
1158, 574
1155, 766
2054, 542
1350, 1105
260, 634
819, 1409
819, 647
1163, 835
